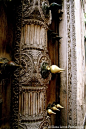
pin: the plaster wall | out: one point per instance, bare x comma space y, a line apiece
71, 50
80, 51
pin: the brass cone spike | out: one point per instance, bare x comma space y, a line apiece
48, 68
11, 63
1, 62
50, 112
54, 5
55, 69
55, 109
59, 106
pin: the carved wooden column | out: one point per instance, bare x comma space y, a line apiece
33, 52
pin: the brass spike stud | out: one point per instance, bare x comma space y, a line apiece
46, 69
55, 69
55, 108
1, 62
12, 63
50, 112
59, 106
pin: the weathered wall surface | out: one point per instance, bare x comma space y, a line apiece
79, 24
72, 59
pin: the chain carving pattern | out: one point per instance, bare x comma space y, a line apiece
72, 90
15, 82
74, 68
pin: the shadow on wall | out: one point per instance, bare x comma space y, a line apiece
6, 31
6, 41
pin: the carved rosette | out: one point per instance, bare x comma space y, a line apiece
31, 62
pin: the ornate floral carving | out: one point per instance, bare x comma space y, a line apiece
31, 61
27, 67
29, 89
33, 10
45, 123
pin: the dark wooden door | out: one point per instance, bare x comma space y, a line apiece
53, 49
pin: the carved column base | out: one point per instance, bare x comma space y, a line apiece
42, 124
